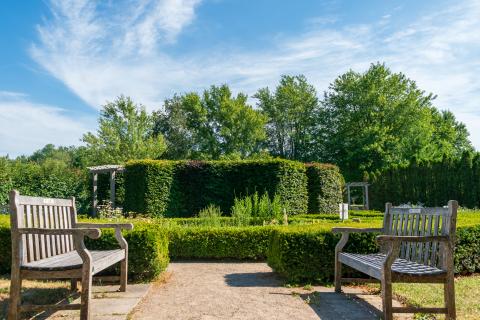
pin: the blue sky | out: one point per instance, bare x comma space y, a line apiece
60, 61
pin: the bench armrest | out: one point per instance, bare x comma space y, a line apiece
125, 226
352, 230
389, 238
118, 230
89, 232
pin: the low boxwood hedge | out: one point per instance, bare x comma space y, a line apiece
306, 254
220, 242
148, 248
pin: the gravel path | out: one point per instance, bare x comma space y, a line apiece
233, 290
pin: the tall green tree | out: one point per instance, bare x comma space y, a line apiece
211, 126
292, 110
125, 132
450, 137
374, 120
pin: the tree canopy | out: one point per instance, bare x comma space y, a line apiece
370, 121
213, 125
125, 131
291, 110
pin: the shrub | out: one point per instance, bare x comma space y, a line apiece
226, 242
211, 215
183, 188
325, 184
5, 244
257, 208
307, 253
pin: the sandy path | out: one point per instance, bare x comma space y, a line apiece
233, 290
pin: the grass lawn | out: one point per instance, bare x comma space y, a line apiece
467, 293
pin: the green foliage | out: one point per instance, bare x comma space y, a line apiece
147, 249
306, 253
260, 208
5, 244
292, 111
48, 178
225, 242
431, 183
325, 185
373, 120
125, 132
210, 126
183, 188
211, 215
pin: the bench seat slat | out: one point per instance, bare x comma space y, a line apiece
371, 264
71, 260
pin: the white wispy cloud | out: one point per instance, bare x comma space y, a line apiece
100, 53
26, 126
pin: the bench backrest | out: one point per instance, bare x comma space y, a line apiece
45, 213
422, 222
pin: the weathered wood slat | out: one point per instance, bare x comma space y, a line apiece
50, 307
419, 248
39, 201
30, 245
71, 260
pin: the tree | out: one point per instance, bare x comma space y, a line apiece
292, 111
377, 119
212, 126
125, 132
450, 137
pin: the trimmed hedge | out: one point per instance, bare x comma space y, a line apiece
183, 188
431, 183
307, 254
223, 242
325, 185
148, 248
5, 244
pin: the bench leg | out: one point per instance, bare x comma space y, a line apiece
449, 297
123, 275
86, 295
338, 275
74, 285
387, 299
15, 296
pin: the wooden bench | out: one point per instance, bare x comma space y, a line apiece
416, 247
48, 243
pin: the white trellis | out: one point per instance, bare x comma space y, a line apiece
364, 186
112, 169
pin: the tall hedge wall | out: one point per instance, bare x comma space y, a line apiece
429, 183
325, 186
183, 188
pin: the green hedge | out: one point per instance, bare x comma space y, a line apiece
431, 183
307, 254
183, 188
325, 185
148, 248
5, 244
225, 242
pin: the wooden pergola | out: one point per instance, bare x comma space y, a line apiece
364, 186
112, 169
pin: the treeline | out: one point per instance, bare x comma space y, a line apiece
364, 122
430, 183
